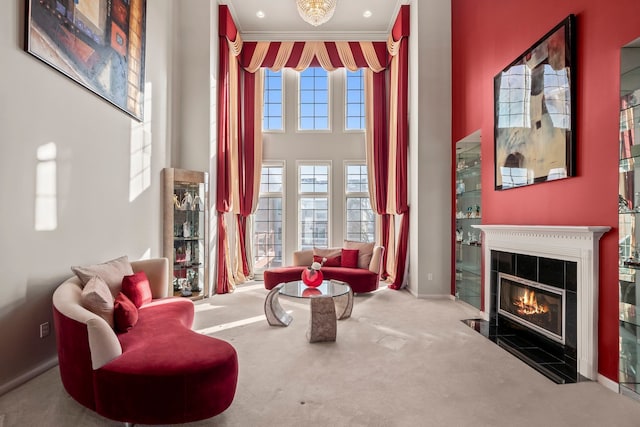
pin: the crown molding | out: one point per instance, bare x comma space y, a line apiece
327, 36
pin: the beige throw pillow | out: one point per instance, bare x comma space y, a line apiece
96, 297
111, 272
327, 252
365, 252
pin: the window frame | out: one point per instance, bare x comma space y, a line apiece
346, 104
282, 195
282, 101
300, 195
329, 128
360, 194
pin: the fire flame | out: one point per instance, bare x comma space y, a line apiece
528, 304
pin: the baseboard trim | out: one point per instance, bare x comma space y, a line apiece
435, 297
29, 375
610, 384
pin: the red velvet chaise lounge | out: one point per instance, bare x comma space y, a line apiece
159, 371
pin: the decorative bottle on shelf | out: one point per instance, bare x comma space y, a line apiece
187, 201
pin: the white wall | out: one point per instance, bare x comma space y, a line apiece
96, 220
430, 148
292, 146
195, 106
196, 35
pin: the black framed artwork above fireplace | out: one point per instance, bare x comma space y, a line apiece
533, 312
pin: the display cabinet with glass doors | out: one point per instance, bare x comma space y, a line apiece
628, 239
186, 218
468, 212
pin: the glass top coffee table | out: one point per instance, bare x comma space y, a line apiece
331, 300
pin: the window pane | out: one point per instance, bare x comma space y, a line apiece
360, 218
313, 206
275, 123
313, 99
354, 99
357, 179
306, 124
306, 110
272, 102
307, 169
321, 110
321, 80
275, 111
307, 96
313, 222
353, 111
322, 97
321, 123
267, 234
321, 188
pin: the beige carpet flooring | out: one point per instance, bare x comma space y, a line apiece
398, 361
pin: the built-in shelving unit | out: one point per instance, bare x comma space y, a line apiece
468, 212
629, 224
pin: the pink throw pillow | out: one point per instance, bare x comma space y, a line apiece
125, 313
331, 262
350, 258
137, 288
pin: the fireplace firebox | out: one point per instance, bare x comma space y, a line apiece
534, 305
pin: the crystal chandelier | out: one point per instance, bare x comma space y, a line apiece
316, 12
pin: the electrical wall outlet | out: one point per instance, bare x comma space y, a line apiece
44, 329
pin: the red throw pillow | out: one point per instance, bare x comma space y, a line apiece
350, 258
137, 288
125, 313
331, 262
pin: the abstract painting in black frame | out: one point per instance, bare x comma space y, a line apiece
534, 108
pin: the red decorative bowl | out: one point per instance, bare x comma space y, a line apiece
312, 277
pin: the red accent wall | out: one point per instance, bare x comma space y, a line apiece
486, 37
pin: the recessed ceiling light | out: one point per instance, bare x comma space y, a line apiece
367, 14
260, 14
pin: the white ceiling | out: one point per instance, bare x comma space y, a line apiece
282, 21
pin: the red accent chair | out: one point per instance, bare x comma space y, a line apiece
159, 372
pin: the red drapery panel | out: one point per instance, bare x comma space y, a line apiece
402, 202
387, 151
235, 192
378, 164
246, 166
239, 156
223, 188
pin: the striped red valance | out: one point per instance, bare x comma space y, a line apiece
330, 55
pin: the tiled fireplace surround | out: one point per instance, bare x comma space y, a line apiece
552, 254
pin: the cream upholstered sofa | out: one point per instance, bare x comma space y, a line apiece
361, 279
158, 372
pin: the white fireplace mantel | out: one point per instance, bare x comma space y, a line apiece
571, 243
